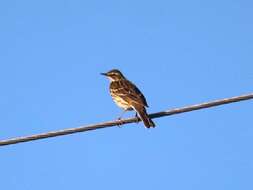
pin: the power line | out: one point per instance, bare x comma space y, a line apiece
125, 121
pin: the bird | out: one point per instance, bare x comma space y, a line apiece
127, 96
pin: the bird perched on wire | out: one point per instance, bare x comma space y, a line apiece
127, 96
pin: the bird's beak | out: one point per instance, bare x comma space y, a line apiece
105, 74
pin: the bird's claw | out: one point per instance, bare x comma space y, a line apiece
120, 122
138, 120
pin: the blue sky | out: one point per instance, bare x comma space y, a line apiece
177, 52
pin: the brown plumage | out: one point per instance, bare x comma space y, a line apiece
127, 96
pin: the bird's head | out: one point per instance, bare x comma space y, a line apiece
114, 75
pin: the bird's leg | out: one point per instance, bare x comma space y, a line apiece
121, 115
119, 118
136, 115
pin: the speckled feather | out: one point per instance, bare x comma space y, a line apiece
125, 93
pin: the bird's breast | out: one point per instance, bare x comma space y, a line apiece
121, 102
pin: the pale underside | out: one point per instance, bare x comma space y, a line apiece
121, 102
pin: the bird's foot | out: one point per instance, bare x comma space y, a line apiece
120, 122
138, 120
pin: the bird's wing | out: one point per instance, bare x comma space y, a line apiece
129, 92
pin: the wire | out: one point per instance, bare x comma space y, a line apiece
125, 121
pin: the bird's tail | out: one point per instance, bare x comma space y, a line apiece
144, 117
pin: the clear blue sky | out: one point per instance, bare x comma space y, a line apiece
178, 53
